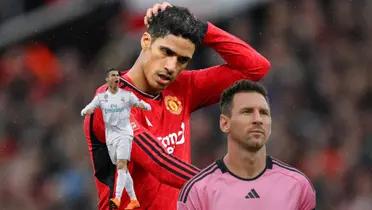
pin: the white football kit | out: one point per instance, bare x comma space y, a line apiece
116, 112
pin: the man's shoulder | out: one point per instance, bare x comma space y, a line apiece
290, 172
101, 89
199, 181
203, 176
102, 93
125, 92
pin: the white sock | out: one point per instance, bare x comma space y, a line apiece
129, 187
122, 176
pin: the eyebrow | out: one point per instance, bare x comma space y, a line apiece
259, 108
174, 53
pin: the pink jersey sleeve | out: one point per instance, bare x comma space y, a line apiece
242, 62
192, 202
308, 198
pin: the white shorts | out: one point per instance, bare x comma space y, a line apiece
120, 148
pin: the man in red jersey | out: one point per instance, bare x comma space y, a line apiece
161, 148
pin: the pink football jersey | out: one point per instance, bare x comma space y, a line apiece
279, 186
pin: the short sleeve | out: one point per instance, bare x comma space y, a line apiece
190, 198
308, 197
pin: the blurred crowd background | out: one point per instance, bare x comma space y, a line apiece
53, 54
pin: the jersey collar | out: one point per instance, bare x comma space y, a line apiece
128, 82
221, 165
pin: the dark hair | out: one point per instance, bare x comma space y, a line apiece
110, 70
239, 87
177, 21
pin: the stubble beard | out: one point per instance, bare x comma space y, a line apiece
253, 144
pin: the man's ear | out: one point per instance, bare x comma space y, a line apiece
224, 123
145, 41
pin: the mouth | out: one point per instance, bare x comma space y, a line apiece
116, 81
164, 78
257, 132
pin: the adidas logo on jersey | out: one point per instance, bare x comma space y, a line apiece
252, 194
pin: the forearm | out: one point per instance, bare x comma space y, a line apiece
143, 105
242, 62
90, 107
87, 108
238, 54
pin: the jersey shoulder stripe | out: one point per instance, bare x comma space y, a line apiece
194, 170
155, 150
155, 156
292, 169
157, 160
189, 184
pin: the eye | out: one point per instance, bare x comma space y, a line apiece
247, 111
183, 60
167, 51
265, 112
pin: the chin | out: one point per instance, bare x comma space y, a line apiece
160, 86
254, 144
254, 147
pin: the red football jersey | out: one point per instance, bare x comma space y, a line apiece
162, 136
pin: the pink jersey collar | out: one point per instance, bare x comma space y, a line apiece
222, 166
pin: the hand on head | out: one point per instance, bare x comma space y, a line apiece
153, 11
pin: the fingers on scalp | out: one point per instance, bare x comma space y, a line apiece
156, 8
149, 12
153, 11
165, 4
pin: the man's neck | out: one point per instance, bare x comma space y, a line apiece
137, 75
113, 90
246, 164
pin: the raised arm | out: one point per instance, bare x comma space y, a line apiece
89, 109
139, 103
242, 62
237, 54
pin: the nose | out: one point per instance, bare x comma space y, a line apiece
257, 118
171, 64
